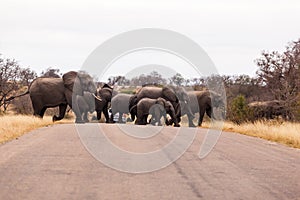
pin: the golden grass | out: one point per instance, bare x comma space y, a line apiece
287, 133
13, 126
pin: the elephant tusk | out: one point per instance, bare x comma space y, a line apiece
96, 97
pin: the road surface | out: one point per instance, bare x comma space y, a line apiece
52, 163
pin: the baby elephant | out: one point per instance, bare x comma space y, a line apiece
156, 107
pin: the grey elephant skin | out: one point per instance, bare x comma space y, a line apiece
201, 102
267, 109
90, 102
146, 106
166, 93
160, 109
87, 104
120, 104
52, 92
105, 93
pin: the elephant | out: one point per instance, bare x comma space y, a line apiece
105, 93
119, 104
89, 103
184, 100
52, 92
201, 102
146, 106
159, 110
267, 109
167, 93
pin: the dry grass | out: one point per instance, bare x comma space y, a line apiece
287, 133
13, 126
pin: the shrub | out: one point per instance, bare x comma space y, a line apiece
239, 111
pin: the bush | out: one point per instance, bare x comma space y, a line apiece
239, 111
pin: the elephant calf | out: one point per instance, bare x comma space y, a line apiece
156, 107
86, 103
120, 104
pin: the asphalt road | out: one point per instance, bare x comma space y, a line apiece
52, 163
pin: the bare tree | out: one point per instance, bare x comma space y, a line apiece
12, 78
280, 73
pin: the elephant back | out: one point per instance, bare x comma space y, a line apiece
49, 91
105, 92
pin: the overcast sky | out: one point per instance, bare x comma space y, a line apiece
61, 34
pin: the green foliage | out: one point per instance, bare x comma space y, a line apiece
239, 111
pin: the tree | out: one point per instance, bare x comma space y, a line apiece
154, 78
177, 79
12, 78
239, 111
280, 74
50, 73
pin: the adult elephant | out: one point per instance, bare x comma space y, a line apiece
120, 104
267, 109
52, 92
167, 93
202, 102
90, 103
157, 107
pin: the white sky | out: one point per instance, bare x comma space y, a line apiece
61, 34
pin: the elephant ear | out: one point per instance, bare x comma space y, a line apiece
169, 106
169, 94
86, 82
70, 79
78, 82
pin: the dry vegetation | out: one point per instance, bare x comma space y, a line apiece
13, 126
287, 133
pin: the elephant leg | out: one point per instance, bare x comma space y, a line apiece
159, 121
76, 110
209, 113
112, 117
42, 112
85, 114
72, 102
38, 108
105, 112
120, 117
133, 113
138, 120
201, 115
62, 111
144, 119
190, 118
98, 115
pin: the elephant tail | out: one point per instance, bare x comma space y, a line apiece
13, 97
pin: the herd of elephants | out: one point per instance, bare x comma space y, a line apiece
78, 90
